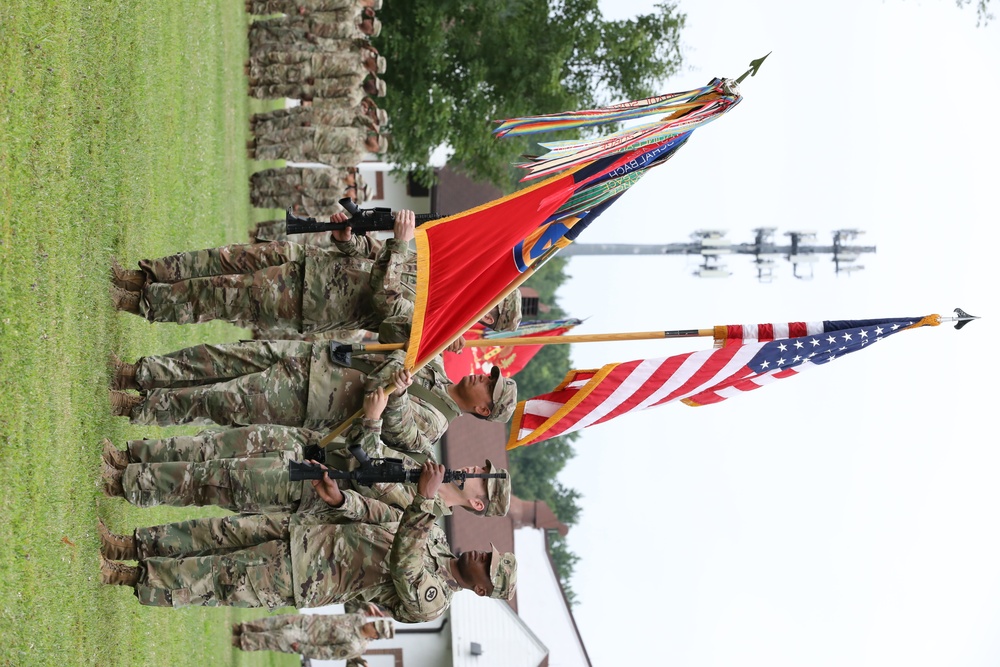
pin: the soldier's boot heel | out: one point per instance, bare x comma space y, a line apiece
114, 546
111, 482
122, 403
125, 300
122, 374
112, 456
114, 573
132, 280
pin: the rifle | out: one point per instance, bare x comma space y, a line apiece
362, 220
378, 471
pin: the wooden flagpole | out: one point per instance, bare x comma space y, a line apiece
362, 348
549, 340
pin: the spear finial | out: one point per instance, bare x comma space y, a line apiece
754, 66
961, 318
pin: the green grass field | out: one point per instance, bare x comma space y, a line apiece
122, 129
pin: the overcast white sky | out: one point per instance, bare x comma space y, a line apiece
849, 516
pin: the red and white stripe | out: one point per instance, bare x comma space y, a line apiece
617, 389
741, 334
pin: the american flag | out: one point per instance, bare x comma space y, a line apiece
748, 357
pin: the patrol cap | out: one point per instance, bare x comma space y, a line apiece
380, 64
510, 312
384, 628
381, 116
376, 28
504, 397
503, 574
497, 492
375, 86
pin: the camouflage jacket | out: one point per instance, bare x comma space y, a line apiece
356, 285
409, 424
397, 496
407, 572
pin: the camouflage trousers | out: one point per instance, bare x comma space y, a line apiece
256, 382
348, 88
335, 146
260, 440
317, 636
246, 284
303, 66
264, 7
274, 182
274, 633
241, 561
248, 485
317, 115
240, 469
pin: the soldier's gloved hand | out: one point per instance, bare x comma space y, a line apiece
375, 402
341, 235
404, 225
327, 489
457, 345
402, 379
431, 477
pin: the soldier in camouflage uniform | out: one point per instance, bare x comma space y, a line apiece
322, 113
277, 560
350, 23
313, 192
282, 285
296, 383
249, 480
263, 7
316, 636
307, 289
335, 146
301, 65
351, 89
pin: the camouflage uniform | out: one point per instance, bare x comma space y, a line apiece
279, 560
263, 7
293, 384
243, 481
316, 192
278, 181
320, 114
263, 50
283, 285
307, 65
291, 29
317, 636
337, 146
348, 90
258, 441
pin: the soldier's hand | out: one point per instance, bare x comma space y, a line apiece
431, 477
457, 345
375, 402
404, 225
402, 379
342, 235
375, 610
327, 489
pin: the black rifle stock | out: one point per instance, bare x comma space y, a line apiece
362, 220
378, 471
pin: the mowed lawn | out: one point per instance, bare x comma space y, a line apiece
122, 130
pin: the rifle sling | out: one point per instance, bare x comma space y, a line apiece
418, 390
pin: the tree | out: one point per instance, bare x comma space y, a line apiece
983, 15
455, 66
